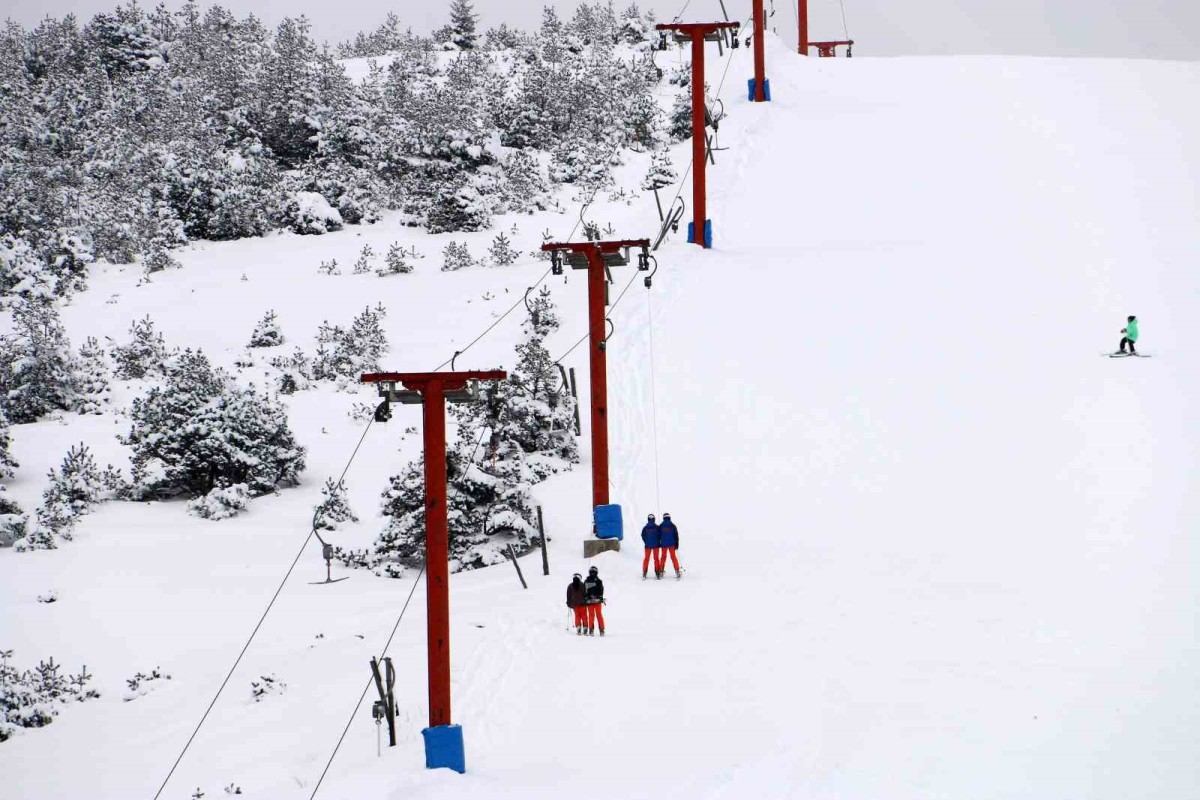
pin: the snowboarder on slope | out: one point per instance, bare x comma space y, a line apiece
670, 543
577, 602
1131, 335
593, 589
652, 539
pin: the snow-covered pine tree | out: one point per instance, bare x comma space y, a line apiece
8, 464
525, 188
462, 24
334, 507
199, 432
295, 372
502, 252
634, 28
679, 122
394, 262
145, 354
71, 492
90, 369
456, 256
266, 332
346, 353
363, 265
36, 373
402, 542
661, 172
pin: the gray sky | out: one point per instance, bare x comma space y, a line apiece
1163, 29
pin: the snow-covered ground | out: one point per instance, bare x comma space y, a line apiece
936, 545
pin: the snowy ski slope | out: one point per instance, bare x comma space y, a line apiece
936, 546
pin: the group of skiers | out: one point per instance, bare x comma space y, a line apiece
585, 598
661, 540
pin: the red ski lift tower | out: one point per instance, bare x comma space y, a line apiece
700, 231
596, 258
760, 90
443, 741
824, 49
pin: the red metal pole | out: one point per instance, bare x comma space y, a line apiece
760, 95
802, 12
437, 554
699, 140
598, 362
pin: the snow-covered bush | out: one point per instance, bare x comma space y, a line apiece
32, 698
334, 508
661, 172
266, 685
221, 503
295, 372
526, 188
343, 354
90, 368
14, 525
310, 213
395, 262
72, 491
502, 252
266, 332
8, 464
35, 364
200, 432
363, 265
145, 354
456, 256
143, 683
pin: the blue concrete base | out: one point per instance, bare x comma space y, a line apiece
444, 748
708, 240
766, 89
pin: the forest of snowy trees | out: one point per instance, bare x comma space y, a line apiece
136, 132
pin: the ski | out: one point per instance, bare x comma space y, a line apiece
1127, 355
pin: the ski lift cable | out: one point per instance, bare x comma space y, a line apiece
845, 29
653, 402
258, 626
491, 327
388, 643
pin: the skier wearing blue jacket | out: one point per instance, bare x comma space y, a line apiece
652, 539
670, 543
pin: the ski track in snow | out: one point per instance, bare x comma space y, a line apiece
935, 547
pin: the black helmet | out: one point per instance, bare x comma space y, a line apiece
593, 571
1132, 317
666, 516
577, 576
650, 517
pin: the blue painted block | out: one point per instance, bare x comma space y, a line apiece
708, 240
766, 89
608, 522
444, 748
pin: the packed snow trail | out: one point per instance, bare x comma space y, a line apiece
935, 546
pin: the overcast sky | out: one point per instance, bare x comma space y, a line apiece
1164, 29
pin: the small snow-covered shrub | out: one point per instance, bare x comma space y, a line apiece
334, 508
145, 353
363, 265
221, 503
142, 684
91, 373
310, 213
395, 262
14, 525
456, 256
266, 332
265, 685
32, 698
502, 252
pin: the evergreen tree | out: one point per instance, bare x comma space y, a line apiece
334, 508
266, 332
71, 492
456, 256
90, 368
363, 265
679, 124
501, 251
8, 464
199, 432
346, 353
661, 172
394, 262
36, 377
145, 354
462, 24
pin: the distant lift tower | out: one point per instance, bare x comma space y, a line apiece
597, 258
760, 90
824, 49
700, 231
443, 741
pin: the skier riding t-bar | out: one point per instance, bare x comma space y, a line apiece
670, 543
652, 539
577, 602
593, 589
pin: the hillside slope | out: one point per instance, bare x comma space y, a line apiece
936, 545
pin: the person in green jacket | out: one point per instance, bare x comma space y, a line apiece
1131, 335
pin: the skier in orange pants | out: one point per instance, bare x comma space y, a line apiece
577, 602
594, 593
652, 539
670, 543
